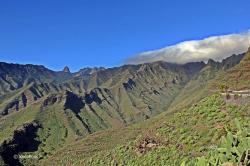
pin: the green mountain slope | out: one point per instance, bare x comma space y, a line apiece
15, 76
71, 109
237, 78
63, 112
174, 138
193, 129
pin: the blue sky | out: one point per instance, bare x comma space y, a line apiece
82, 33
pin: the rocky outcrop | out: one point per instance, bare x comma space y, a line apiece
50, 100
129, 85
66, 69
92, 96
18, 102
146, 144
11, 107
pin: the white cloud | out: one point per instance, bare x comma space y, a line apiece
215, 47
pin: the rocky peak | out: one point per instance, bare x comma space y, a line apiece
213, 63
231, 61
246, 58
66, 69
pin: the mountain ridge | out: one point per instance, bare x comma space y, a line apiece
185, 135
69, 107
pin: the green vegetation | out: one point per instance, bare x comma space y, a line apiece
234, 149
10, 123
149, 114
179, 136
236, 78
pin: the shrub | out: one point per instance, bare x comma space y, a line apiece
233, 149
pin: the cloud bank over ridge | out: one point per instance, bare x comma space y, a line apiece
215, 47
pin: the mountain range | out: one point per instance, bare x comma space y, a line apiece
116, 116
